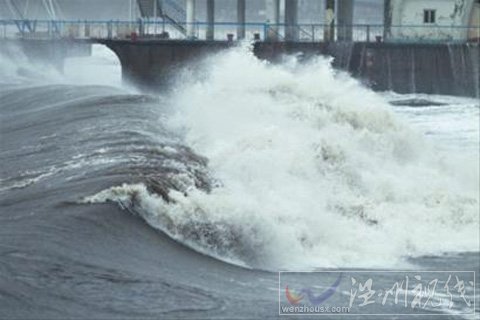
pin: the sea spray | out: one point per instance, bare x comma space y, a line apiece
313, 170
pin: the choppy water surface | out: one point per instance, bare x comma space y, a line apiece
185, 204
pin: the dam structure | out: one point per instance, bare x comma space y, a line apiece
427, 47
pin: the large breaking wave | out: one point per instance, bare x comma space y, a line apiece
307, 168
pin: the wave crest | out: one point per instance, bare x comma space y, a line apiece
315, 171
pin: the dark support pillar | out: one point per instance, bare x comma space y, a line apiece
190, 12
210, 20
387, 19
291, 20
273, 19
345, 20
241, 13
329, 33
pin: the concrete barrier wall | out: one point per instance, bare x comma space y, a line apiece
148, 64
451, 69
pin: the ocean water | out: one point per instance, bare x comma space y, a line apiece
187, 203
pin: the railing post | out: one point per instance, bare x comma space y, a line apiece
22, 25
109, 29
368, 33
313, 33
87, 30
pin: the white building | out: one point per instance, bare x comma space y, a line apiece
433, 20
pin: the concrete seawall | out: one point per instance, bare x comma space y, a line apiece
152, 64
451, 69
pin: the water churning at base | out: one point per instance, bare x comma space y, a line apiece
309, 169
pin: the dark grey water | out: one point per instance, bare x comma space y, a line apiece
62, 258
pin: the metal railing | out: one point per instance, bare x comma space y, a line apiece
163, 29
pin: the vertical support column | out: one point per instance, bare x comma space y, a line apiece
291, 20
329, 31
130, 13
130, 10
273, 19
86, 32
210, 20
141, 27
109, 29
387, 19
345, 20
241, 13
190, 8
155, 16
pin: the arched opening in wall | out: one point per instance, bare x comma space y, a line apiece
474, 24
102, 67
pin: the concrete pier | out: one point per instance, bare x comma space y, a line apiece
404, 68
154, 64
451, 69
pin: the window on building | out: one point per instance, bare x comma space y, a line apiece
428, 16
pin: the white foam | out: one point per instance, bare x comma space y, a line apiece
314, 169
308, 159
101, 68
16, 68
